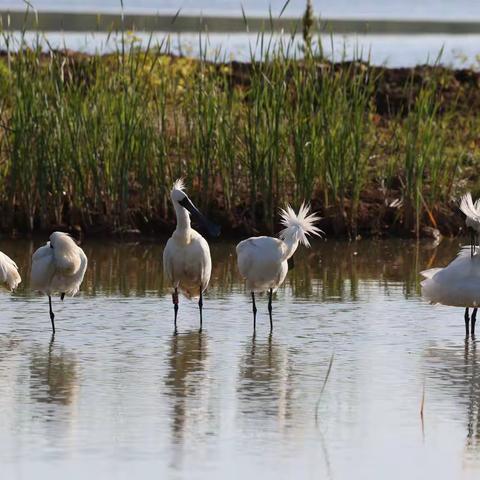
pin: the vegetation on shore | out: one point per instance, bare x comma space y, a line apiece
95, 141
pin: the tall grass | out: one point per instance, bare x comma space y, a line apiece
97, 140
429, 169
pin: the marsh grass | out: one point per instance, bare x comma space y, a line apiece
97, 140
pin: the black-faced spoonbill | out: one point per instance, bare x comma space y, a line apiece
456, 285
472, 220
9, 272
186, 258
263, 261
59, 266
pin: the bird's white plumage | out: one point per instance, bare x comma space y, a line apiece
263, 261
186, 258
9, 272
456, 285
58, 266
472, 211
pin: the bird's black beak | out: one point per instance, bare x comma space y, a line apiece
212, 229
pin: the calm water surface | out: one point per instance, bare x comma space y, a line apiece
118, 395
459, 51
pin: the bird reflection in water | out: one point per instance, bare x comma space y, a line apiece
53, 376
265, 387
185, 378
472, 373
457, 372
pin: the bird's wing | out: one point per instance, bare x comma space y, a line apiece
43, 268
9, 272
69, 282
167, 259
203, 257
67, 260
430, 273
258, 250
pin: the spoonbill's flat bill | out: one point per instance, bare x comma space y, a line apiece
456, 285
263, 261
186, 258
9, 272
59, 266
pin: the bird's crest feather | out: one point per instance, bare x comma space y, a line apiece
471, 210
179, 184
299, 225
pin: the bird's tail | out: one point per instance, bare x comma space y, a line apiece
299, 225
467, 206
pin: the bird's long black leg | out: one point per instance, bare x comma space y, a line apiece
474, 319
52, 315
467, 321
472, 242
254, 310
200, 305
62, 296
270, 294
175, 307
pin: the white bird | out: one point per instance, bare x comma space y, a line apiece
456, 285
186, 258
472, 220
58, 266
9, 272
263, 261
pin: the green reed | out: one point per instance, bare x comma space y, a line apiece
429, 170
97, 140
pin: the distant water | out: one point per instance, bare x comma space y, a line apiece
459, 51
391, 50
406, 9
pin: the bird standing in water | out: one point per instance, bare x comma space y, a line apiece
186, 258
456, 285
59, 266
263, 261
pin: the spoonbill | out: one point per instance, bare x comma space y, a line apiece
456, 285
58, 266
472, 220
263, 261
186, 259
9, 272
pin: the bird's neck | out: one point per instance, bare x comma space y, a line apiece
291, 245
183, 219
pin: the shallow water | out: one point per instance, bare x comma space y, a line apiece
117, 394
